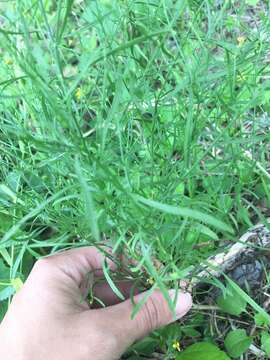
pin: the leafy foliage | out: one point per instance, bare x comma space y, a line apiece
265, 339
231, 302
202, 351
129, 123
237, 342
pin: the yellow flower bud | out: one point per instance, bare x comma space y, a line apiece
176, 345
241, 40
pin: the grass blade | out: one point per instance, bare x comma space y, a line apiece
90, 212
110, 281
186, 212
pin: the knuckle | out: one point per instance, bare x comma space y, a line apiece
150, 315
42, 268
42, 264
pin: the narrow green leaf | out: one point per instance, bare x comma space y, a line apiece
90, 212
186, 212
6, 256
60, 30
248, 299
156, 276
252, 2
3, 309
13, 230
4, 270
6, 292
127, 45
110, 281
9, 193
208, 232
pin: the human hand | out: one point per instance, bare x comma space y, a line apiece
49, 319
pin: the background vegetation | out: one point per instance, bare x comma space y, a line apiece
143, 125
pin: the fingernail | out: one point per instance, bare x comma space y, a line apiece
183, 302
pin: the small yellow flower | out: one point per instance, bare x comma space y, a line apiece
8, 61
150, 281
17, 284
71, 43
241, 77
241, 40
176, 345
79, 94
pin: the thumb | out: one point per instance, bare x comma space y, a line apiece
154, 313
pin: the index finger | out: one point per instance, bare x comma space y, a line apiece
77, 263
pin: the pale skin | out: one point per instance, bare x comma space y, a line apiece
48, 318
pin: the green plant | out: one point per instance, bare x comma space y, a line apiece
129, 123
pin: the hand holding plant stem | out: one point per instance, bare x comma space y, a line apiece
48, 317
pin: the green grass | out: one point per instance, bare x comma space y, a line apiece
128, 122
